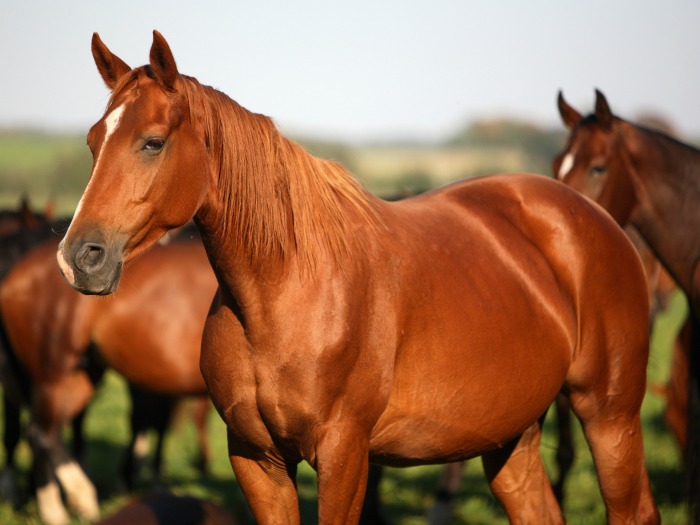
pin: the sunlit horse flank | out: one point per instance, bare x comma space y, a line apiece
428, 330
651, 181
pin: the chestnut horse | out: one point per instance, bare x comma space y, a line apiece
348, 328
150, 333
650, 181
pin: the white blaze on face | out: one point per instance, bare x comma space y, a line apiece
111, 122
566, 164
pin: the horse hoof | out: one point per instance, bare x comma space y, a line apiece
51, 509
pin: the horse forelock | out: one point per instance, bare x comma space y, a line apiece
276, 197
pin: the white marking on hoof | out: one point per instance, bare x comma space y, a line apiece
141, 446
51, 509
80, 492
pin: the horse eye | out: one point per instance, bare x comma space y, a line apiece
597, 170
154, 145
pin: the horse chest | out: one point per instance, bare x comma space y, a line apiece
254, 393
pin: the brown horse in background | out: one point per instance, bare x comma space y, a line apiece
651, 181
20, 230
150, 333
347, 328
22, 218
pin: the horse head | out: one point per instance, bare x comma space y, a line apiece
595, 160
145, 151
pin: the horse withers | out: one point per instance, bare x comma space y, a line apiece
347, 328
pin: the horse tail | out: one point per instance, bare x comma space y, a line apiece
693, 423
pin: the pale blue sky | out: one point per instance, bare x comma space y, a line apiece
364, 69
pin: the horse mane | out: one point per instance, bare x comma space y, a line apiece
276, 196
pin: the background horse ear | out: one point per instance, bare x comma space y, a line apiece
110, 66
162, 61
602, 110
568, 114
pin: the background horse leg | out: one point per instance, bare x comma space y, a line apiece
518, 479
371, 507
53, 404
201, 408
565, 448
149, 410
48, 493
12, 427
441, 511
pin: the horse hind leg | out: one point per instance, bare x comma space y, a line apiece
609, 412
518, 479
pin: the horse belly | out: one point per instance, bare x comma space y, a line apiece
477, 375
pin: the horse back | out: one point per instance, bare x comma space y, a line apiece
514, 286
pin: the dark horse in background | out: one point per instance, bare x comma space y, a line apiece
347, 328
61, 341
651, 181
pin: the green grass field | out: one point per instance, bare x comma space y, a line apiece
406, 493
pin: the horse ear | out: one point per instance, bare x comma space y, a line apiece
162, 61
602, 110
568, 114
110, 66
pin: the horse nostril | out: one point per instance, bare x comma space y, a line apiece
90, 257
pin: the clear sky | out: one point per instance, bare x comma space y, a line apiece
364, 69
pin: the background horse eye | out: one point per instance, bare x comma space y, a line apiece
597, 170
154, 145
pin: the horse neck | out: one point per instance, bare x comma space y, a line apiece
666, 175
275, 206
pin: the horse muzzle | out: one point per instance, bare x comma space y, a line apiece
90, 266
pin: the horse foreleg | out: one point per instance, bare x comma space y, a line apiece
518, 479
269, 490
342, 465
269, 487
